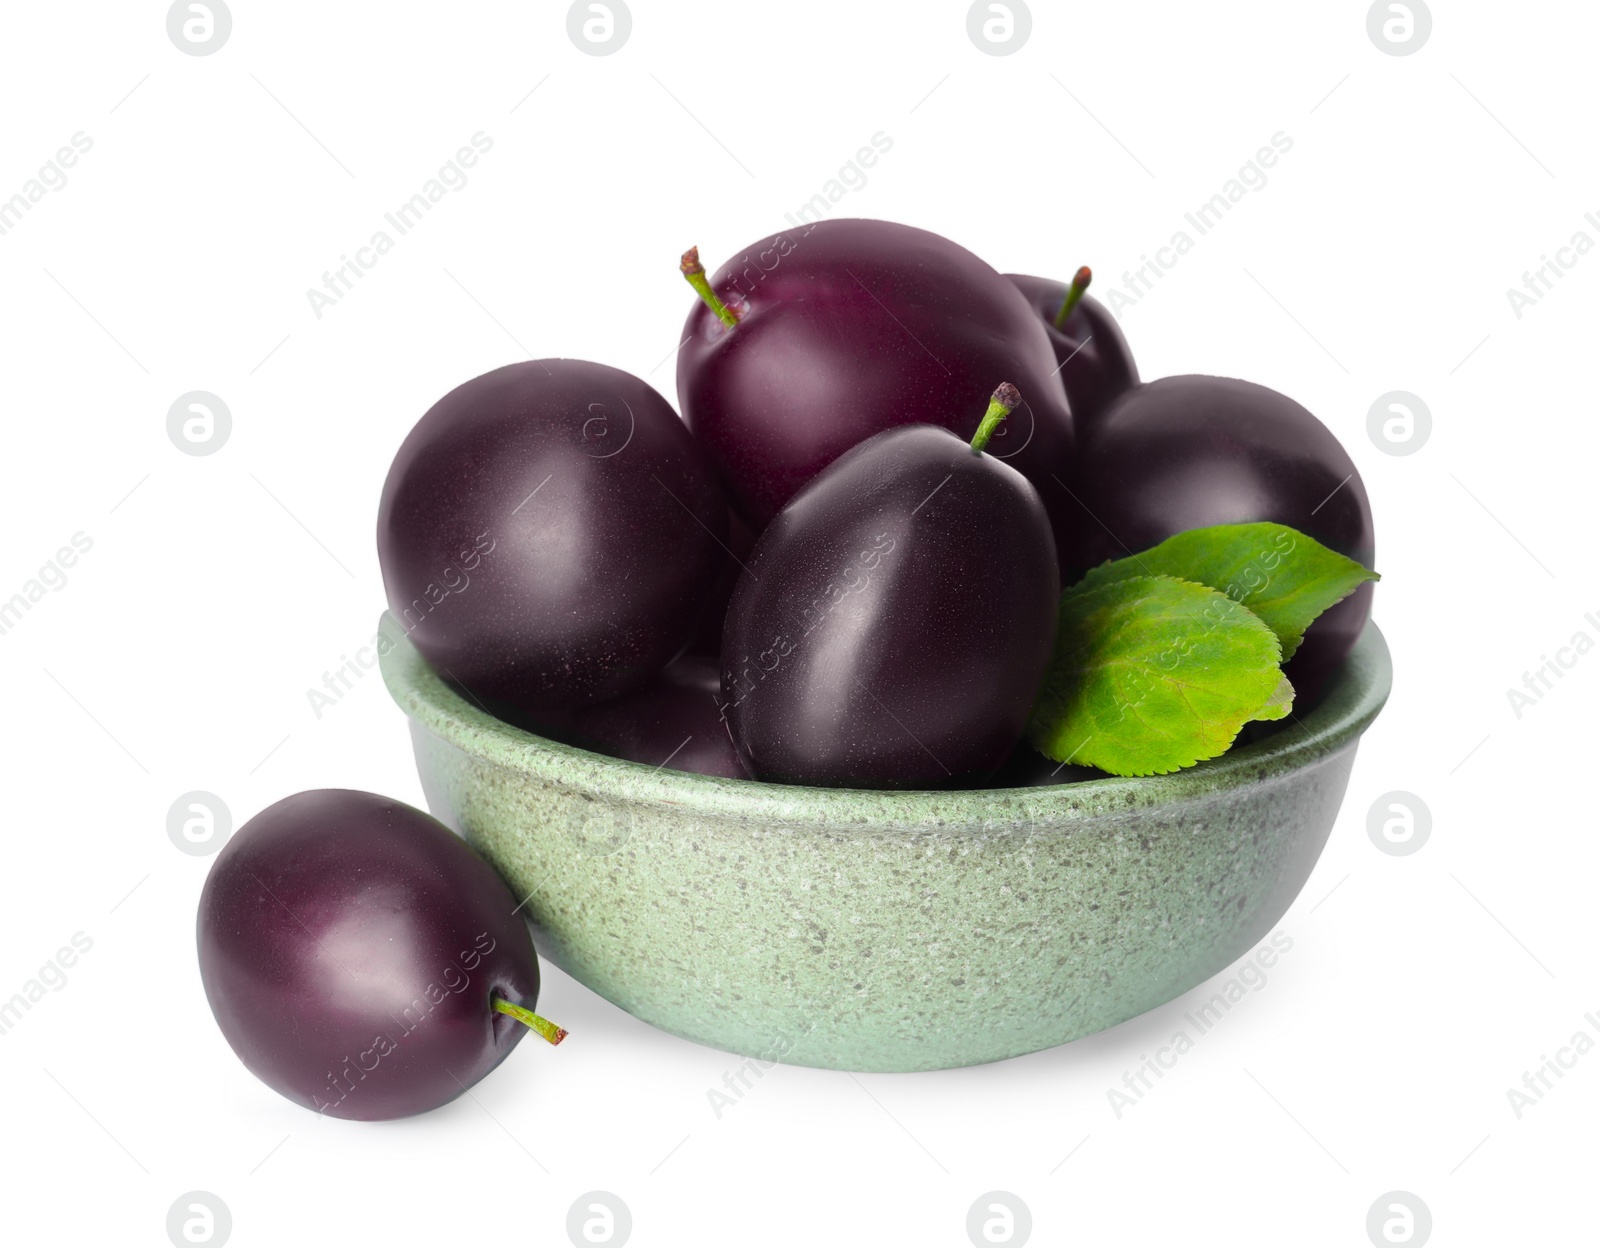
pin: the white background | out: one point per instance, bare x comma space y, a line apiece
177, 656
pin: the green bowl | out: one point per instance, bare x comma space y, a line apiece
874, 931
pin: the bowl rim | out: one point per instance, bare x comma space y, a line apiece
1356, 693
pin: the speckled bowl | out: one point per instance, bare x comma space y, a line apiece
889, 931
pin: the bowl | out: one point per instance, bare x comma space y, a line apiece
883, 931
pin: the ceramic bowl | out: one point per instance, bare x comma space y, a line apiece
875, 931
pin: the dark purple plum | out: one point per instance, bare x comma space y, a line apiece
1096, 362
896, 618
354, 950
674, 721
1184, 452
549, 533
836, 331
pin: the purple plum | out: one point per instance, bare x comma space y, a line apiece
361, 959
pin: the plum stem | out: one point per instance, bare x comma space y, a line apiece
547, 1029
1080, 283
695, 273
1001, 404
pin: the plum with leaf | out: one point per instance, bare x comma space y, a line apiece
1164, 657
1190, 452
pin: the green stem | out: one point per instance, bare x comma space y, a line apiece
695, 272
547, 1029
1080, 283
1001, 404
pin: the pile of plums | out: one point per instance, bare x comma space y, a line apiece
841, 566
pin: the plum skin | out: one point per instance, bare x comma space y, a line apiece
549, 533
349, 946
895, 621
675, 721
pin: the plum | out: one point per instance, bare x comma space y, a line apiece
896, 618
675, 721
812, 341
361, 959
1095, 360
548, 534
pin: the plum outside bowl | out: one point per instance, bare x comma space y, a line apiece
879, 931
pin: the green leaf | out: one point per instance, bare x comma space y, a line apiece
1151, 674
1285, 577
1278, 705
